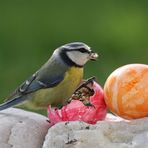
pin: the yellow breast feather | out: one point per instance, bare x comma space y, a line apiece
58, 94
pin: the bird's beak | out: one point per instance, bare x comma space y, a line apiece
93, 56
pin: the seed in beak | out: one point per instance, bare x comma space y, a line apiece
93, 56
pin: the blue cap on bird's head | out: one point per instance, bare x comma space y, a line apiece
76, 45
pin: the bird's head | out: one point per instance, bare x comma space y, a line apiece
76, 54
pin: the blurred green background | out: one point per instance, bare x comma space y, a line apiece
31, 29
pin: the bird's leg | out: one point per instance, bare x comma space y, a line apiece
83, 92
85, 83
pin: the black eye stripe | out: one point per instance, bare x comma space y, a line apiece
83, 50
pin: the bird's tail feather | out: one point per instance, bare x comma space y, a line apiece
12, 102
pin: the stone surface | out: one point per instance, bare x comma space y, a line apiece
112, 133
22, 129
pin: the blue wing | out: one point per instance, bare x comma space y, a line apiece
35, 83
29, 86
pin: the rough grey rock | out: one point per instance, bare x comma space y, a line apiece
112, 133
22, 129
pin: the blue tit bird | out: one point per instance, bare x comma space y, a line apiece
56, 80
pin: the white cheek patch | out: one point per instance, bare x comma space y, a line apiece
78, 57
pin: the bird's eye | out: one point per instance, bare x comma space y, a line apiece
83, 50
